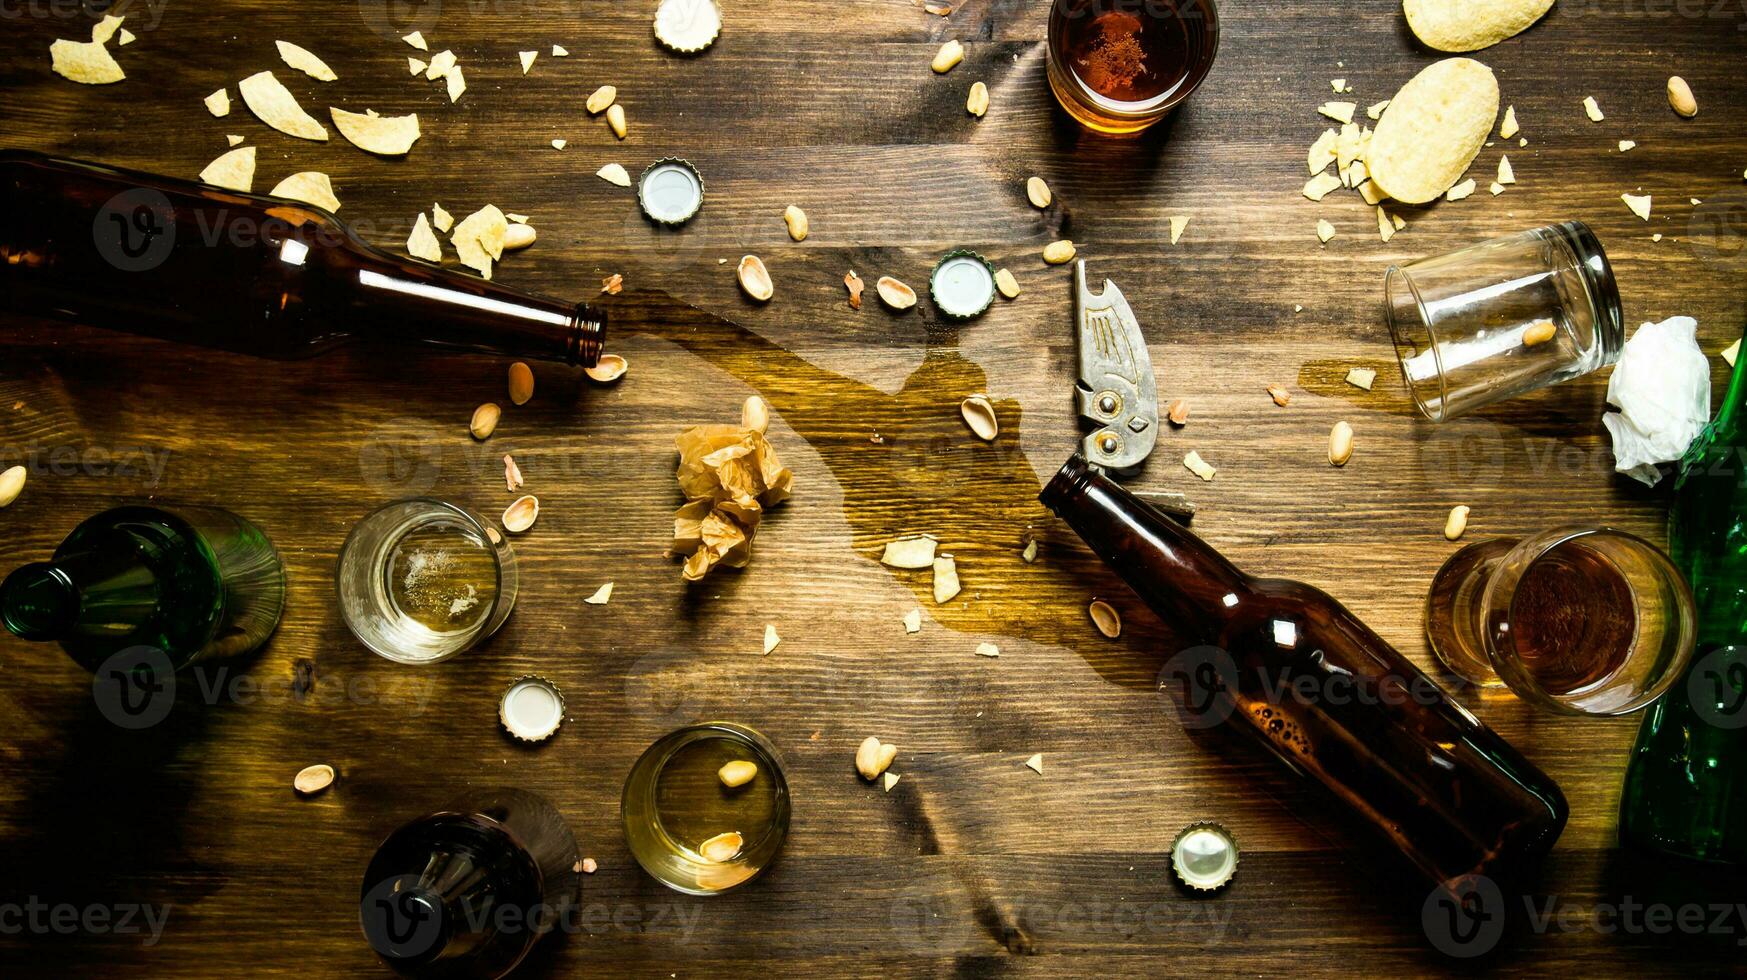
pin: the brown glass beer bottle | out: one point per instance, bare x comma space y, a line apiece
248, 273
1327, 696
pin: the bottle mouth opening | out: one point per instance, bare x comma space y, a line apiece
1070, 479
38, 602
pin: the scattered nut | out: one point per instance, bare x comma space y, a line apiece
737, 773
602, 97
1038, 192
722, 848
796, 219
589, 866
512, 474
522, 514
521, 383
1178, 412
1457, 522
313, 779
873, 757
977, 103
979, 414
1340, 444
1106, 618
1055, 253
613, 285
1281, 397
755, 414
950, 54
755, 278
1005, 282
616, 119
610, 368
518, 237
1539, 332
483, 425
1680, 97
895, 294
853, 283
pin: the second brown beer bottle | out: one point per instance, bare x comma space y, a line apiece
1326, 695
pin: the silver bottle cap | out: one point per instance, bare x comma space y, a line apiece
963, 284
532, 709
671, 191
1204, 856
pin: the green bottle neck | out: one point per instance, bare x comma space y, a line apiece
96, 591
39, 602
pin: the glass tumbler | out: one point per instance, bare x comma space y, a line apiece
1503, 318
421, 580
1582, 621
1118, 66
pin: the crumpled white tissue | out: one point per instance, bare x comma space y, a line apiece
1662, 388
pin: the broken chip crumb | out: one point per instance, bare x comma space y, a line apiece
1199, 466
1627, 144
890, 779
305, 61
1509, 127
478, 239
613, 285
417, 40
527, 59
422, 244
560, 51
1372, 194
1178, 223
234, 170
85, 62
912, 552
1731, 352
441, 218
233, 139
913, 620
986, 649
1639, 203
383, 135
415, 66
126, 37
1029, 553
561, 144
274, 105
219, 103
1322, 152
1338, 111
1460, 191
1385, 229
1376, 109
1324, 230
601, 595
946, 584
1656, 237
1496, 188
1592, 109
310, 187
1320, 186
1506, 173
1361, 378
456, 82
1035, 763
770, 638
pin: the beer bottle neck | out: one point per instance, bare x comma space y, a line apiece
388, 300
78, 592
1186, 582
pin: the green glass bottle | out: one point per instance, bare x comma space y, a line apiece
1686, 783
196, 583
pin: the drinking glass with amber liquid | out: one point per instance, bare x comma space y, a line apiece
1118, 66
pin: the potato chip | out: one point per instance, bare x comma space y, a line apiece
422, 244
417, 40
1322, 152
105, 29
1506, 173
386, 135
1368, 190
310, 187
478, 239
1433, 129
1640, 204
456, 82
441, 218
1508, 128
1324, 230
440, 64
1341, 112
614, 173
415, 66
1320, 186
1460, 191
302, 60
1469, 25
559, 51
560, 144
219, 103
1375, 111
235, 170
233, 139
274, 105
1178, 223
85, 62
527, 59
126, 37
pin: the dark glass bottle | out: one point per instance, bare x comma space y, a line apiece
467, 891
1331, 699
188, 262
1686, 784
195, 583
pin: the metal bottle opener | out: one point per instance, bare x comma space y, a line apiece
1115, 391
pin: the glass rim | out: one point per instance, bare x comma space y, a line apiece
1534, 548
1157, 106
1399, 273
473, 521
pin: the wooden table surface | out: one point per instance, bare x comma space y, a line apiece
974, 864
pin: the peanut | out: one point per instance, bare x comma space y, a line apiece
521, 383
1680, 97
1056, 253
1457, 522
616, 119
977, 103
796, 219
873, 757
1340, 444
1539, 332
950, 54
737, 773
12, 484
603, 97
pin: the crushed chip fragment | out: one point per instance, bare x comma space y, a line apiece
383, 135
274, 105
310, 187
1592, 109
305, 61
219, 103
422, 243
1639, 203
234, 170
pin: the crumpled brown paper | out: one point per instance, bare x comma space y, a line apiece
729, 475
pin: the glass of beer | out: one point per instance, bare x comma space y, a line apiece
1118, 66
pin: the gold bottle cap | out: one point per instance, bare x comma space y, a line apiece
1204, 856
687, 26
532, 709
